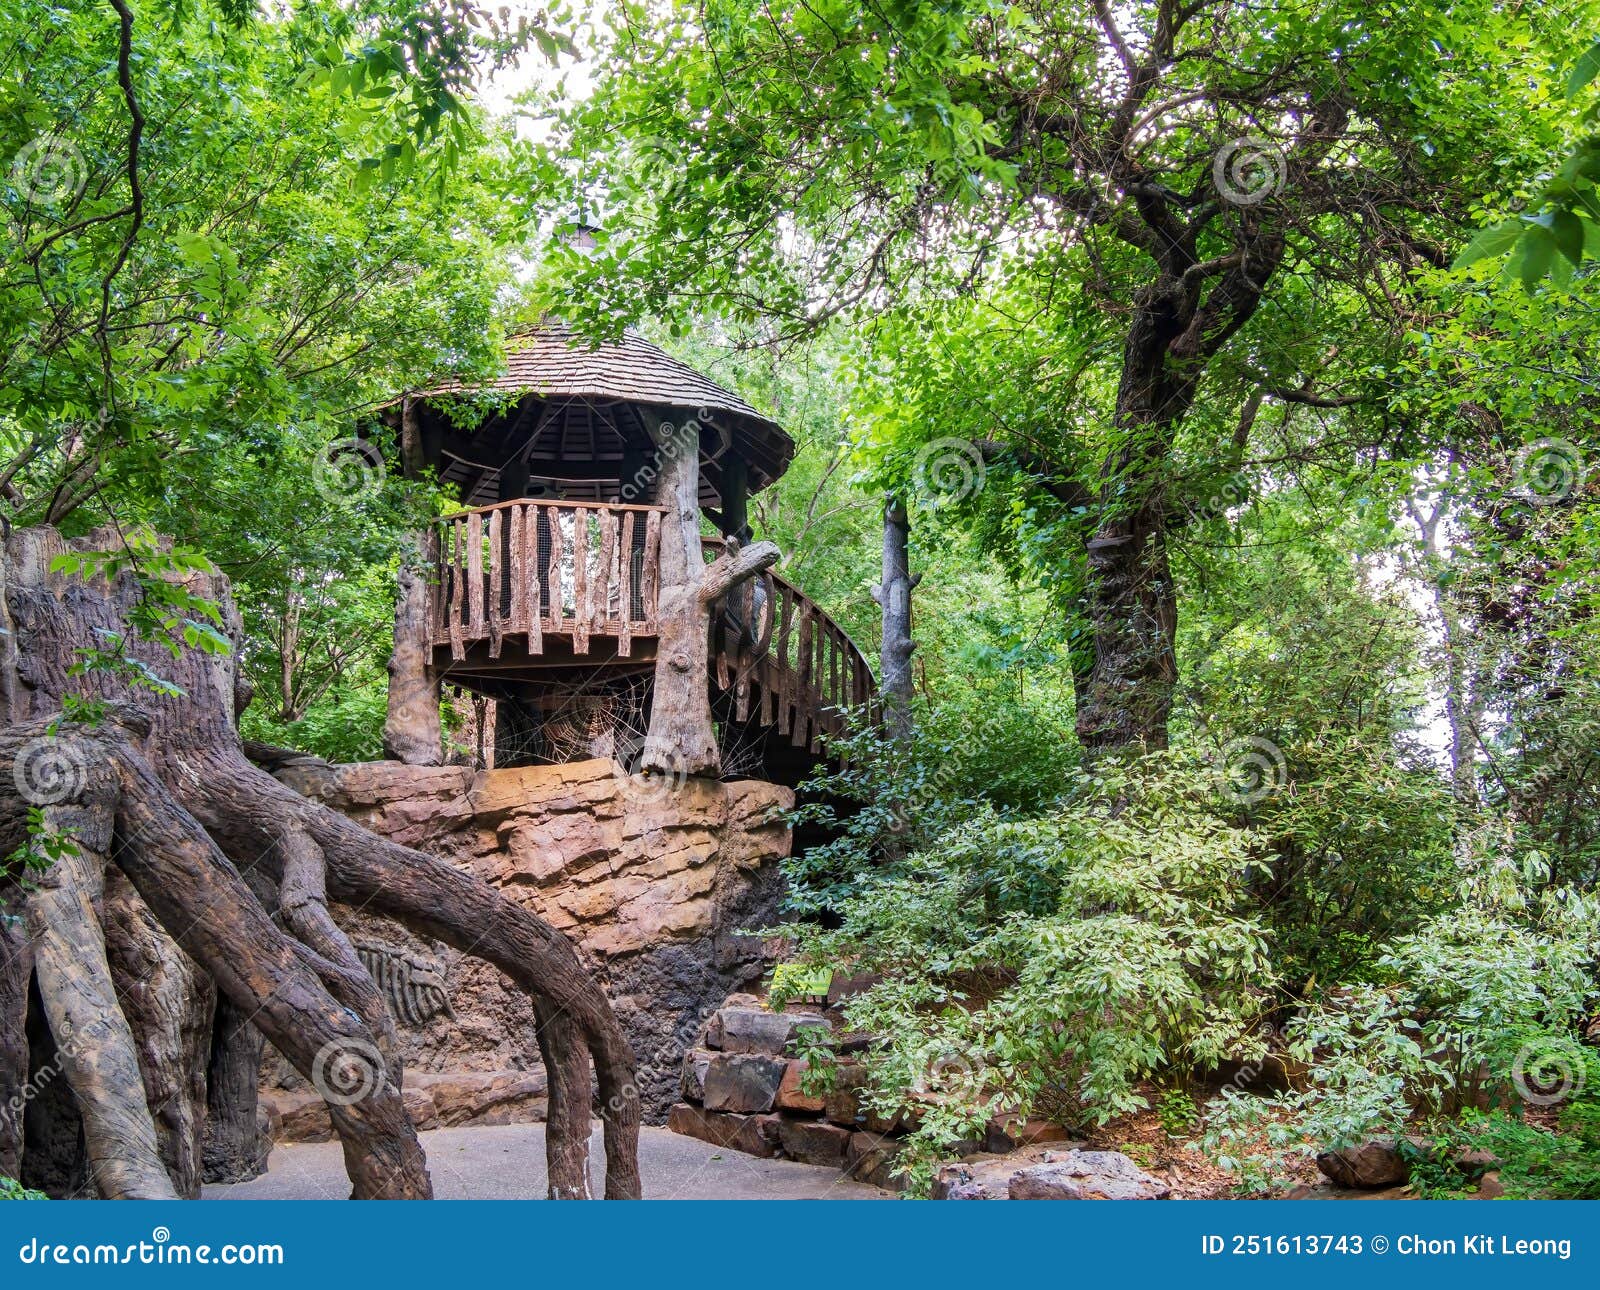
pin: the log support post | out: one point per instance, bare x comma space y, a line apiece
412, 732
682, 739
235, 1147
16, 971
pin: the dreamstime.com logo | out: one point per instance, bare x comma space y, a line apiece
159, 1250
49, 770
346, 1071
1247, 171
1547, 1075
1251, 770
49, 171
1549, 471
948, 470
348, 471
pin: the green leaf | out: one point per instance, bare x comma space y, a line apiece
1493, 241
1567, 229
1584, 70
1538, 250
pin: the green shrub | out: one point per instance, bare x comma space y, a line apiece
1481, 1003
1062, 959
1533, 1163
11, 1189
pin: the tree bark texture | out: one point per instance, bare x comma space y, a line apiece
893, 595
682, 739
207, 844
412, 732
236, 1147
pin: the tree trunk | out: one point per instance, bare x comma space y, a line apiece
1132, 603
682, 739
235, 1147
412, 732
169, 1003
16, 971
168, 772
94, 1042
893, 595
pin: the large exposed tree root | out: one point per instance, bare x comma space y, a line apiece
179, 853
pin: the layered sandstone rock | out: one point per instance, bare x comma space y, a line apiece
653, 882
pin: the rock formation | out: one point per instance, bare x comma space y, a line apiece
653, 880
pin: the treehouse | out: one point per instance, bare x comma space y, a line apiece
600, 586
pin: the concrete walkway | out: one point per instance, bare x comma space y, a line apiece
507, 1163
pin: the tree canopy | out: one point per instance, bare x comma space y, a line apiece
1232, 365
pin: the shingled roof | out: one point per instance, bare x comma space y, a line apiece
578, 378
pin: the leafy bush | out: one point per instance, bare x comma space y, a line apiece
1480, 1006
11, 1189
1533, 1163
974, 752
1061, 959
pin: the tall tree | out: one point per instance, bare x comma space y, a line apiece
1205, 205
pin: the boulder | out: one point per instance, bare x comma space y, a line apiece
1367, 1165
744, 1083
755, 1030
871, 1158
421, 1107
814, 1141
693, 1081
1475, 1162
791, 1092
482, 1097
842, 1104
1008, 1132
755, 1135
432, 1100
843, 987
300, 1116
1086, 1175
977, 1178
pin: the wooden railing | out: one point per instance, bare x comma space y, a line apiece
583, 570
786, 663
578, 569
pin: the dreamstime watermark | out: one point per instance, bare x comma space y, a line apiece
67, 1050
49, 770
670, 440
347, 1071
673, 1052
648, 774
160, 1249
1549, 471
948, 470
1546, 1073
348, 471
49, 170
1247, 170
946, 1070
1251, 769
1233, 491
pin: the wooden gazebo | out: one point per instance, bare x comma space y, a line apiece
576, 585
